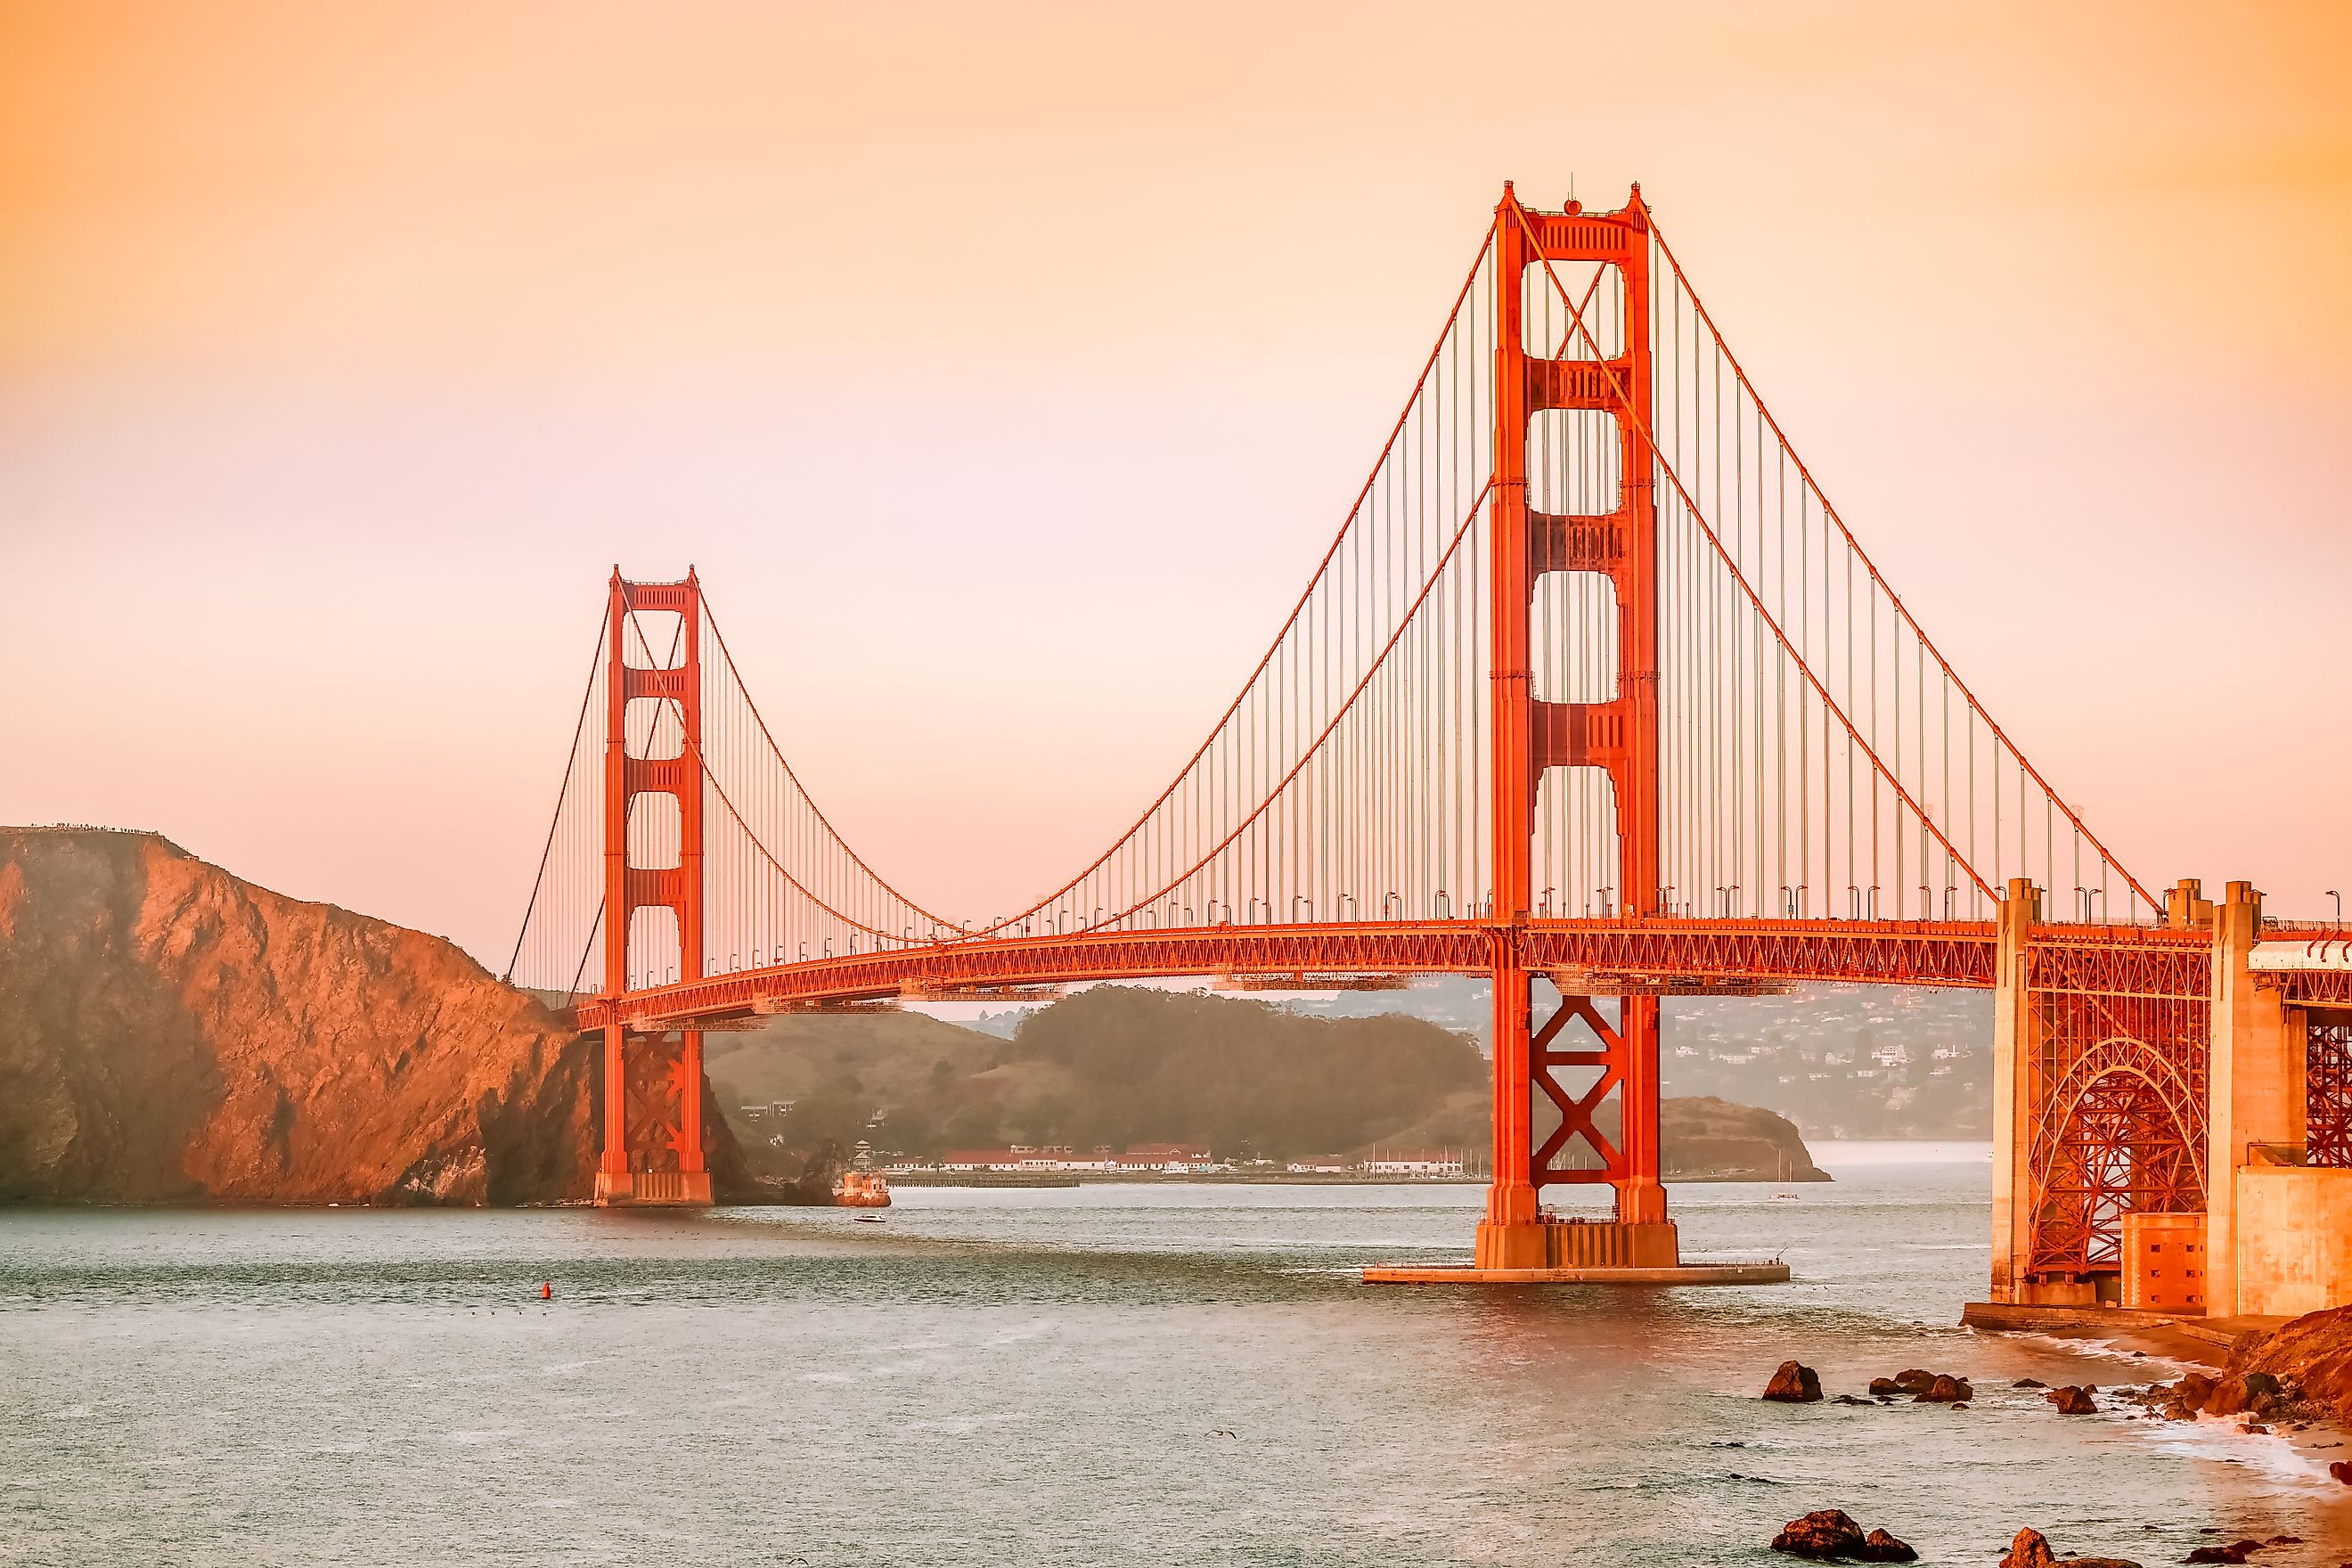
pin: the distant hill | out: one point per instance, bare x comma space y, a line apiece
1122, 1065
1703, 1139
1113, 1064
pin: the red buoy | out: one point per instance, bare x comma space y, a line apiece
547, 1292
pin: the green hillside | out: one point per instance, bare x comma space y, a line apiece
1113, 1064
1119, 1066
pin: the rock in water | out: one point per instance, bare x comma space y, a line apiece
1879, 1546
1944, 1390
2236, 1396
172, 1034
2236, 1551
2342, 1470
2072, 1401
1794, 1383
2029, 1383
1822, 1535
1884, 1388
2030, 1550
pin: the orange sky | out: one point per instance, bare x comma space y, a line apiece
1003, 369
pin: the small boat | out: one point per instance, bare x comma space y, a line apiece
867, 1218
861, 1190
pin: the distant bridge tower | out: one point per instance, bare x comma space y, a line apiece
653, 867
1531, 736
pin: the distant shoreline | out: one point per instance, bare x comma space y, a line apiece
1011, 1180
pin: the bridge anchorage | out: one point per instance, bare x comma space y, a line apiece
1594, 694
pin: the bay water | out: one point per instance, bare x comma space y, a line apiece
1168, 1375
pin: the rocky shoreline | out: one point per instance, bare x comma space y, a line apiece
2292, 1384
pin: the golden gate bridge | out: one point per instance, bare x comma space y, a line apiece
1594, 692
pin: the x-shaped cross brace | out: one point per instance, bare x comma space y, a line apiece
1576, 1111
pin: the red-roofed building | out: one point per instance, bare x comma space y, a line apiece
1168, 1159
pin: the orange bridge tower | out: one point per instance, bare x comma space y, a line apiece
653, 1150
1531, 736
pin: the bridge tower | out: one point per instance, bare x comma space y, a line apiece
1531, 736
653, 1150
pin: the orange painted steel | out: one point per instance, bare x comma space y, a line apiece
2328, 1089
652, 1095
2330, 988
1529, 736
1658, 955
2120, 1066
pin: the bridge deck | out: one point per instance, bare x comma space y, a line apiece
1592, 956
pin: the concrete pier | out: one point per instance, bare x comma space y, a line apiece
1670, 1273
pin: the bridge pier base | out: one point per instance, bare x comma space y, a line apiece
1519, 1244
652, 1093
1555, 1251
1552, 1242
652, 1189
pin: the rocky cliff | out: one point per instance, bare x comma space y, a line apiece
169, 1032
2313, 1351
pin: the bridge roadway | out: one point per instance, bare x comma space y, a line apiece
1668, 955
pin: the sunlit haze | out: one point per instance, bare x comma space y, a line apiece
1003, 370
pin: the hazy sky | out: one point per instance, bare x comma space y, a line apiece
1004, 368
